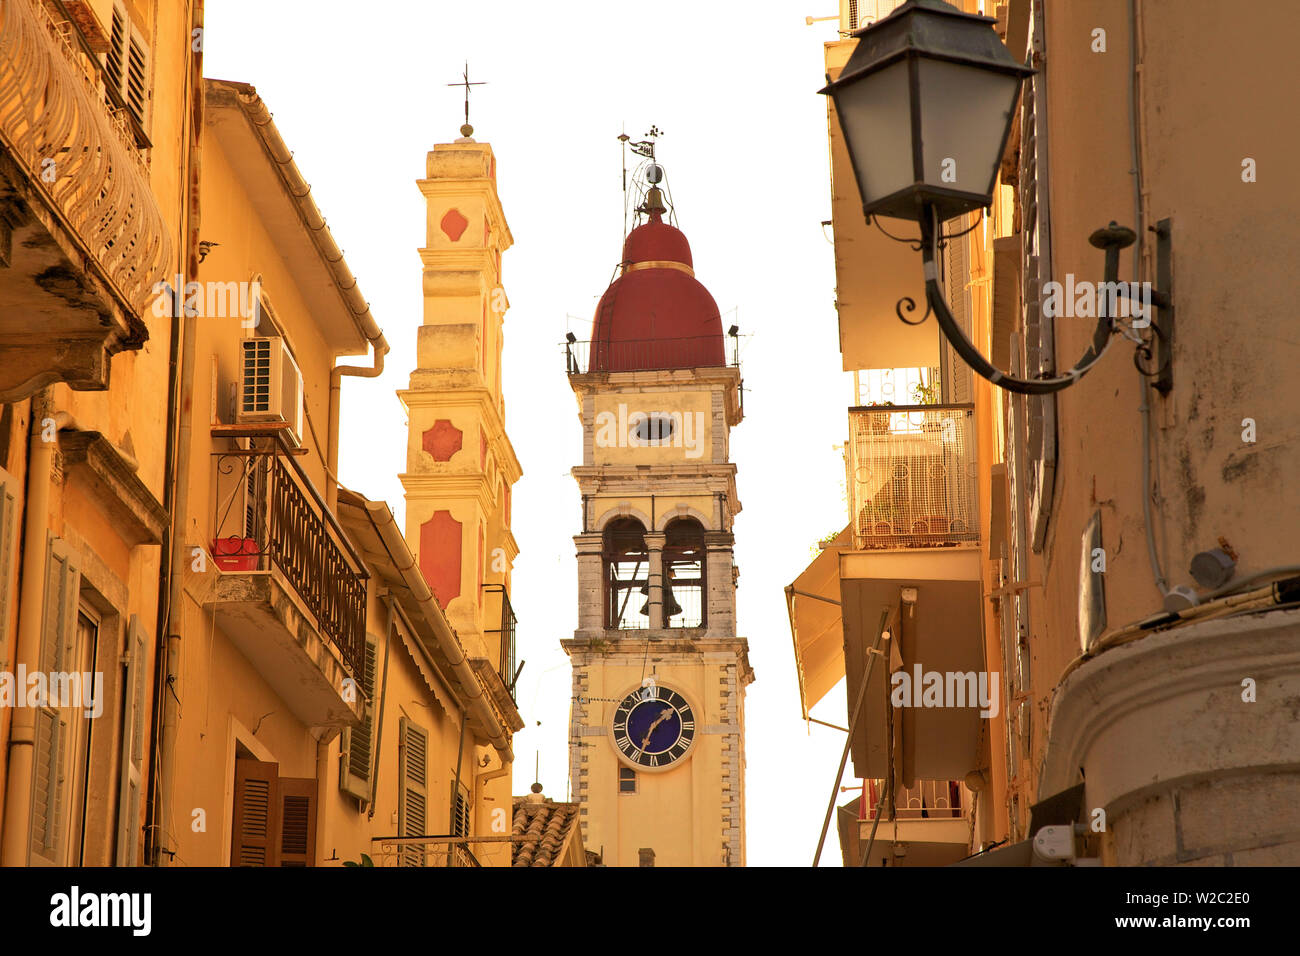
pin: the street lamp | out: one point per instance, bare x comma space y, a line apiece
926, 104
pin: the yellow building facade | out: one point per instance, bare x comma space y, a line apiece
239, 661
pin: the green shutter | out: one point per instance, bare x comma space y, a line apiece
413, 777
58, 634
128, 806
356, 763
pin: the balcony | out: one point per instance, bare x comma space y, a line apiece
929, 826
499, 678
82, 240
292, 589
912, 476
425, 851
643, 355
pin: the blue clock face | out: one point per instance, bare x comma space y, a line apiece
654, 727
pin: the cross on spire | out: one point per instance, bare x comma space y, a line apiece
467, 130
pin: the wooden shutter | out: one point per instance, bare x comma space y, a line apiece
58, 633
957, 388
254, 837
1036, 272
127, 63
413, 774
459, 810
356, 761
298, 821
128, 800
8, 544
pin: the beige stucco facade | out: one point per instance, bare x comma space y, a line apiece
1168, 708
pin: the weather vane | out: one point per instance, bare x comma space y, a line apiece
646, 147
467, 130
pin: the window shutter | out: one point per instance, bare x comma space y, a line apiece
297, 821
1036, 272
8, 542
255, 833
459, 810
58, 631
357, 759
127, 63
958, 294
413, 772
128, 801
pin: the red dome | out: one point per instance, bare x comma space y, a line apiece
656, 315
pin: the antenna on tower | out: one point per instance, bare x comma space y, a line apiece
623, 138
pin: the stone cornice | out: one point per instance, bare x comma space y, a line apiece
132, 506
1174, 699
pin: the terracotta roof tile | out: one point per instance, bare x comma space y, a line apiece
551, 824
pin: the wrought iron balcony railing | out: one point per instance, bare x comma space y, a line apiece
928, 800
423, 851
55, 123
645, 355
507, 655
268, 514
911, 476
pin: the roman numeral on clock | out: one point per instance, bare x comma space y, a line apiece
623, 742
688, 725
654, 760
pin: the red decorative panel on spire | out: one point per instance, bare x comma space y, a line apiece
440, 553
442, 440
453, 224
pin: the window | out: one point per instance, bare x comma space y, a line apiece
356, 760
126, 65
128, 807
627, 570
413, 797
626, 780
275, 817
51, 785
459, 810
684, 575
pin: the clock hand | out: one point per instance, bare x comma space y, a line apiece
663, 715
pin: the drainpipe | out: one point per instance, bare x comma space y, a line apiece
480, 787
175, 599
31, 607
380, 344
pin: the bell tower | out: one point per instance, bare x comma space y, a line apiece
657, 755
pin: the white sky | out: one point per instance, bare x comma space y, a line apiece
359, 93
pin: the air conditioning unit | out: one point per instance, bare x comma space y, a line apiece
270, 385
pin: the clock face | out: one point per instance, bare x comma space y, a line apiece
654, 727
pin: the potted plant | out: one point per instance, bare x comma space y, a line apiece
879, 424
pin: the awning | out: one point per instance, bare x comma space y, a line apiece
813, 603
942, 633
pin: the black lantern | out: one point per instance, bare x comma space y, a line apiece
926, 103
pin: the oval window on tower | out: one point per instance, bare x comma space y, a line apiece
655, 429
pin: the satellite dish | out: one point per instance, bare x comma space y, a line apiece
654, 174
